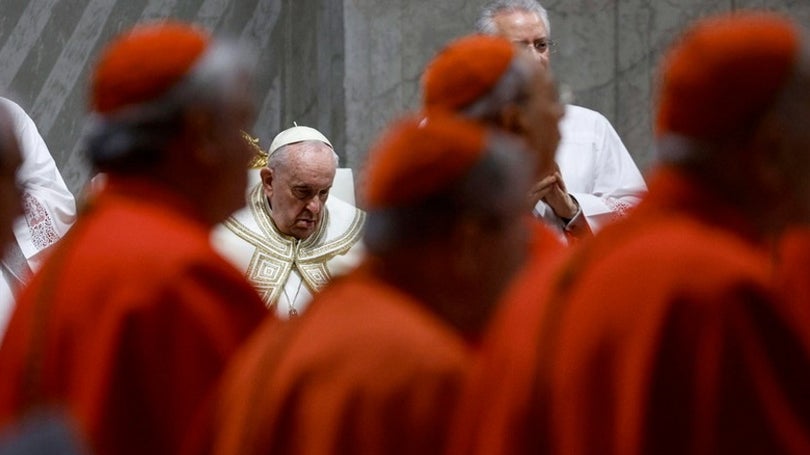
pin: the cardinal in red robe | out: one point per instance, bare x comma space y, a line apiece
664, 333
129, 323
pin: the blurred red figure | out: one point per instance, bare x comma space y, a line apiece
488, 79
663, 334
375, 364
130, 321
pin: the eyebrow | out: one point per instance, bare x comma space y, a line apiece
304, 187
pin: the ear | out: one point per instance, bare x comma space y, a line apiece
771, 157
511, 119
266, 174
200, 135
466, 242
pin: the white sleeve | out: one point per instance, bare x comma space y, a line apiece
616, 183
50, 208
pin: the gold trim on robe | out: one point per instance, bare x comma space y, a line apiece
276, 254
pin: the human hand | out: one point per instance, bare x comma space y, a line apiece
541, 189
557, 197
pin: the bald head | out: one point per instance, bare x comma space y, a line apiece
10, 161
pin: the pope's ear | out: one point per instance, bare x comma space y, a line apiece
266, 175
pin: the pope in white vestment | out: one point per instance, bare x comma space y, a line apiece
49, 210
286, 267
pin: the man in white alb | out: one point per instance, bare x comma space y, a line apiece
49, 209
292, 238
596, 168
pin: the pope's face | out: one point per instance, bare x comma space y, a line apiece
526, 30
298, 188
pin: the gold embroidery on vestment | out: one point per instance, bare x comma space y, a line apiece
276, 254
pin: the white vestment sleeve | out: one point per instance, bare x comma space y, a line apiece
597, 168
50, 207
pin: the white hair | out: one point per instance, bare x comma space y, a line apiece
486, 21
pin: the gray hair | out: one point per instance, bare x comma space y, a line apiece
486, 21
133, 137
480, 193
512, 88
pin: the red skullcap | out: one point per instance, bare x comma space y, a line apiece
465, 70
417, 158
144, 63
725, 73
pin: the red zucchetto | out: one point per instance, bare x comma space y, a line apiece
465, 70
417, 158
724, 74
144, 63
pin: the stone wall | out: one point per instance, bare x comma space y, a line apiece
346, 67
607, 55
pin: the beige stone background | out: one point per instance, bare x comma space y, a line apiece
346, 67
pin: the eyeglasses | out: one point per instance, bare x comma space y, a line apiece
540, 45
